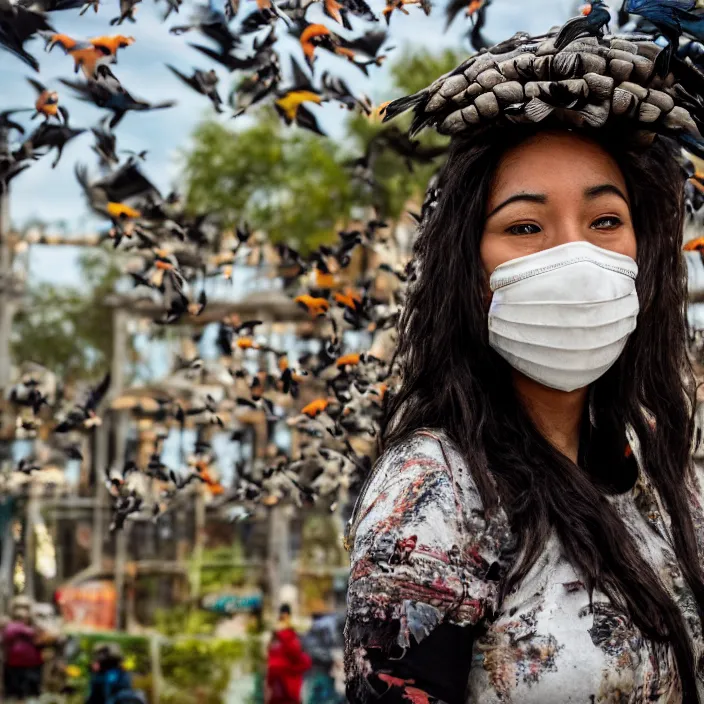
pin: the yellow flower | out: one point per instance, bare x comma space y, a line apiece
129, 663
73, 670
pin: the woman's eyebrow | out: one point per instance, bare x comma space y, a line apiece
605, 189
530, 197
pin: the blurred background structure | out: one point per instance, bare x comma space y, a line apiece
176, 525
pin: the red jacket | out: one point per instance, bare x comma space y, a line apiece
286, 663
18, 642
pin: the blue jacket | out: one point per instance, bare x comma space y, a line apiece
104, 686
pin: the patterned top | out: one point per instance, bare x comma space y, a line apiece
424, 623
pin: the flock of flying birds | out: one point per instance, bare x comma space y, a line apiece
176, 252
332, 397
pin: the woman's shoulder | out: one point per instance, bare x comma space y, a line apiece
429, 460
420, 538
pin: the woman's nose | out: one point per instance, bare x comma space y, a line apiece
566, 231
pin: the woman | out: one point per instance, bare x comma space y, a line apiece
533, 531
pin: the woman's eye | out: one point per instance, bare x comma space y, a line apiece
526, 229
608, 222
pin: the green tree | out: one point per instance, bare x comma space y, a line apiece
69, 329
296, 185
414, 71
399, 184
289, 182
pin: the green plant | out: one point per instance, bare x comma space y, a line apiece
134, 648
221, 568
197, 671
182, 620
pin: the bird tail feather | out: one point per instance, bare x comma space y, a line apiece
401, 105
572, 30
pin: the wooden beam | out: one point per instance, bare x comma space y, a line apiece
274, 305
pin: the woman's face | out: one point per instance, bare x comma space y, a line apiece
555, 188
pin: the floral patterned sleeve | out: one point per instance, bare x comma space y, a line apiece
425, 565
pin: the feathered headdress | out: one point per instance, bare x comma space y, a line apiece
574, 74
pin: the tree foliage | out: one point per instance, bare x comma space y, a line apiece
69, 329
290, 183
414, 71
296, 185
399, 184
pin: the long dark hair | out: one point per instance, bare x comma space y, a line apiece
452, 379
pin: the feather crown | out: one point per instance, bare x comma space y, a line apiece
582, 81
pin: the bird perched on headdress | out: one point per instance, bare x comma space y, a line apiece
671, 18
592, 22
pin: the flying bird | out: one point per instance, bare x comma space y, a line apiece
18, 25
454, 7
88, 55
47, 102
400, 5
128, 8
84, 415
210, 21
203, 82
289, 102
52, 136
107, 92
105, 144
119, 194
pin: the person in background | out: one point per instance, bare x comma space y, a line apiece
52, 642
22, 657
323, 643
109, 682
286, 663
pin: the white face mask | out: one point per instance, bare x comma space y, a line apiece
562, 316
